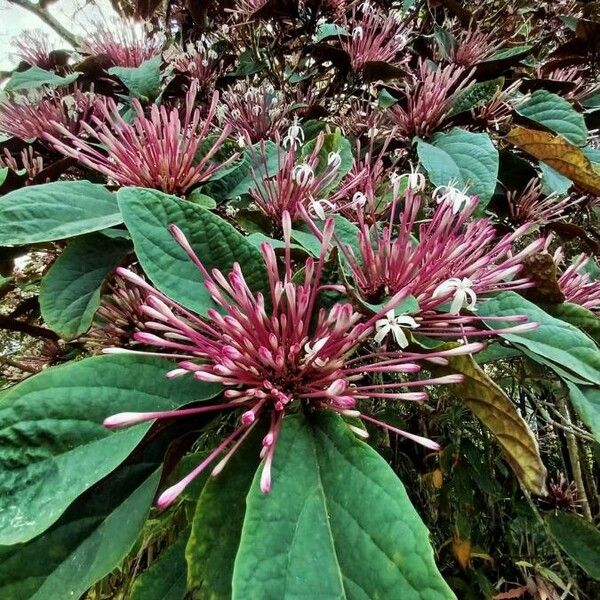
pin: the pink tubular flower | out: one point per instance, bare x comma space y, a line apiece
47, 113
428, 99
252, 112
473, 46
577, 285
125, 42
160, 151
275, 355
31, 163
298, 187
454, 261
374, 37
33, 47
530, 206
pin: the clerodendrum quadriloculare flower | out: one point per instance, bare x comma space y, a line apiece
448, 259
277, 355
160, 151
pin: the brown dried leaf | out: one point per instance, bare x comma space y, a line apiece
462, 551
561, 155
495, 410
541, 269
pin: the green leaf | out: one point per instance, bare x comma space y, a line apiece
385, 99
555, 113
148, 214
475, 95
509, 53
586, 401
165, 579
53, 211
336, 524
54, 446
553, 181
577, 315
559, 345
579, 539
34, 77
332, 142
326, 30
238, 179
142, 82
88, 542
217, 524
3, 175
470, 159
197, 197
70, 290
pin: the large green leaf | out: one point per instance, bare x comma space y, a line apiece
217, 524
560, 345
52, 211
148, 214
578, 316
466, 158
92, 537
579, 539
142, 82
166, 578
70, 291
555, 113
35, 77
586, 401
336, 524
53, 445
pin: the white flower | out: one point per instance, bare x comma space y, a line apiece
393, 324
319, 206
357, 33
294, 136
462, 291
241, 140
303, 175
458, 199
415, 181
334, 160
358, 200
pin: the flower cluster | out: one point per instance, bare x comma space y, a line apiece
578, 286
47, 113
275, 353
428, 99
124, 43
160, 151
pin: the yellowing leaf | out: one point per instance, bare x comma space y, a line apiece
561, 155
462, 552
495, 410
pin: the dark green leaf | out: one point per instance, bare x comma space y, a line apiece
166, 578
238, 179
70, 290
336, 524
52, 211
92, 537
555, 113
53, 445
586, 401
148, 214
142, 82
34, 77
579, 539
217, 524
475, 95
578, 316
332, 142
465, 158
509, 53
560, 345
326, 30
